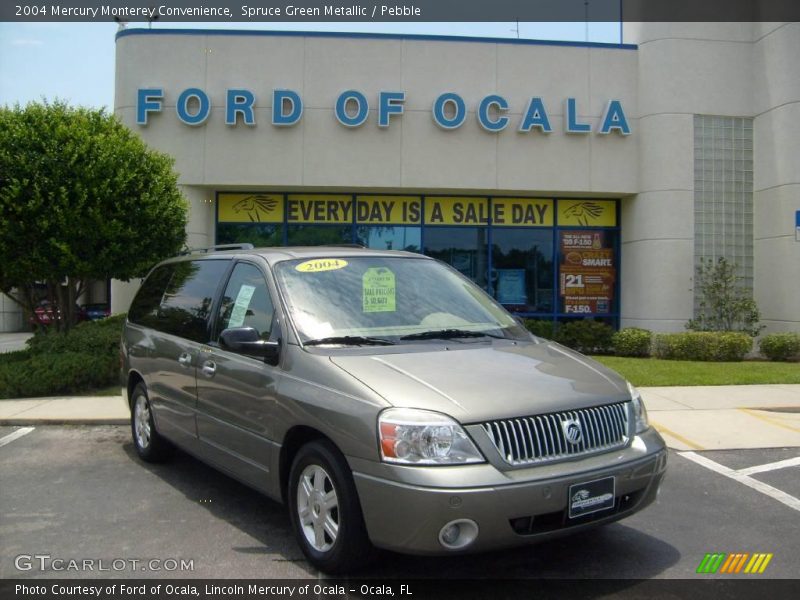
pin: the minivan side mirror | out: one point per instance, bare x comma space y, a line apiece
245, 340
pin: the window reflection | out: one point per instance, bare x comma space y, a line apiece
464, 248
390, 238
522, 269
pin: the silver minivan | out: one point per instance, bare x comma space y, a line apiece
385, 398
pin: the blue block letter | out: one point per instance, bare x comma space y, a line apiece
203, 109
483, 113
147, 100
280, 98
389, 103
362, 108
535, 116
439, 109
572, 125
240, 102
615, 119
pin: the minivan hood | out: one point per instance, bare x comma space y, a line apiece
475, 382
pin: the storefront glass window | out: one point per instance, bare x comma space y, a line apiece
522, 269
553, 259
319, 235
464, 248
258, 234
390, 238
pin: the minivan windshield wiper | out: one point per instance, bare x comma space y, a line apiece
447, 334
350, 340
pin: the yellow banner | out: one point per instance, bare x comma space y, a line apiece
587, 213
454, 210
250, 208
319, 208
389, 210
522, 212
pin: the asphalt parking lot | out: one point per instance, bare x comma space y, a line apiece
80, 492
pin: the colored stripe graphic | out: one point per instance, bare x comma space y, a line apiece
759, 562
711, 562
734, 562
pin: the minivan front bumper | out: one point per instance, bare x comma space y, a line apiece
404, 516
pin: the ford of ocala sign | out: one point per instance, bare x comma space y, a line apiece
352, 109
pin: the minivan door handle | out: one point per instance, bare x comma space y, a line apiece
209, 368
185, 359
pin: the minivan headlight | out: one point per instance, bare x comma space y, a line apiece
639, 410
410, 436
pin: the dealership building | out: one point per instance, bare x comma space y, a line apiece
569, 180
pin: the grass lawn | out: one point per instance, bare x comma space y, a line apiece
653, 371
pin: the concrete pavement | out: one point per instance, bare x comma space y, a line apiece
726, 417
9, 342
689, 418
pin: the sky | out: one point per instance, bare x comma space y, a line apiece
74, 62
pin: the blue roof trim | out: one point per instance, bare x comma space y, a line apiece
375, 36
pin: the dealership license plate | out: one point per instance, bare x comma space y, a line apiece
590, 497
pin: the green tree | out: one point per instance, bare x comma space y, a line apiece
81, 198
724, 303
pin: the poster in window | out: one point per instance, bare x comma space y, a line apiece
511, 286
587, 273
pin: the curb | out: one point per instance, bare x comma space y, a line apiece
87, 421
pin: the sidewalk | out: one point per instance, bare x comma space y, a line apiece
725, 417
10, 342
690, 418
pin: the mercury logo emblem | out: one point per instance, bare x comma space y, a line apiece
572, 431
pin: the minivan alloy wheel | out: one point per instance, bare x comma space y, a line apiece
150, 446
318, 508
325, 510
142, 422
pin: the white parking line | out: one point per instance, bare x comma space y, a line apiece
781, 464
7, 439
762, 487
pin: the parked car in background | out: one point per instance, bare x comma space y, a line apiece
94, 312
385, 398
44, 314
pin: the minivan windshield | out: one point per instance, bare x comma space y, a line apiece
384, 300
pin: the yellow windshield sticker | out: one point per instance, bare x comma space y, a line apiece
318, 265
378, 290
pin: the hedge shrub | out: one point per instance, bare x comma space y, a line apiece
702, 345
780, 346
632, 341
54, 374
85, 358
541, 328
92, 337
588, 337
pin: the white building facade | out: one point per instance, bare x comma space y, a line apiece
569, 180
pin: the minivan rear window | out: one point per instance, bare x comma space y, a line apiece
176, 298
144, 308
187, 302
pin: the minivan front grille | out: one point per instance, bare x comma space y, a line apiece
543, 438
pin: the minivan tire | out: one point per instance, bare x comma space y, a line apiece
321, 486
150, 446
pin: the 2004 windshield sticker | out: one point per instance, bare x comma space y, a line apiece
318, 265
378, 285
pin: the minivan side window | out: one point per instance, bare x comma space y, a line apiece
186, 306
145, 306
246, 301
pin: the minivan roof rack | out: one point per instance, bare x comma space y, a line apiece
243, 246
